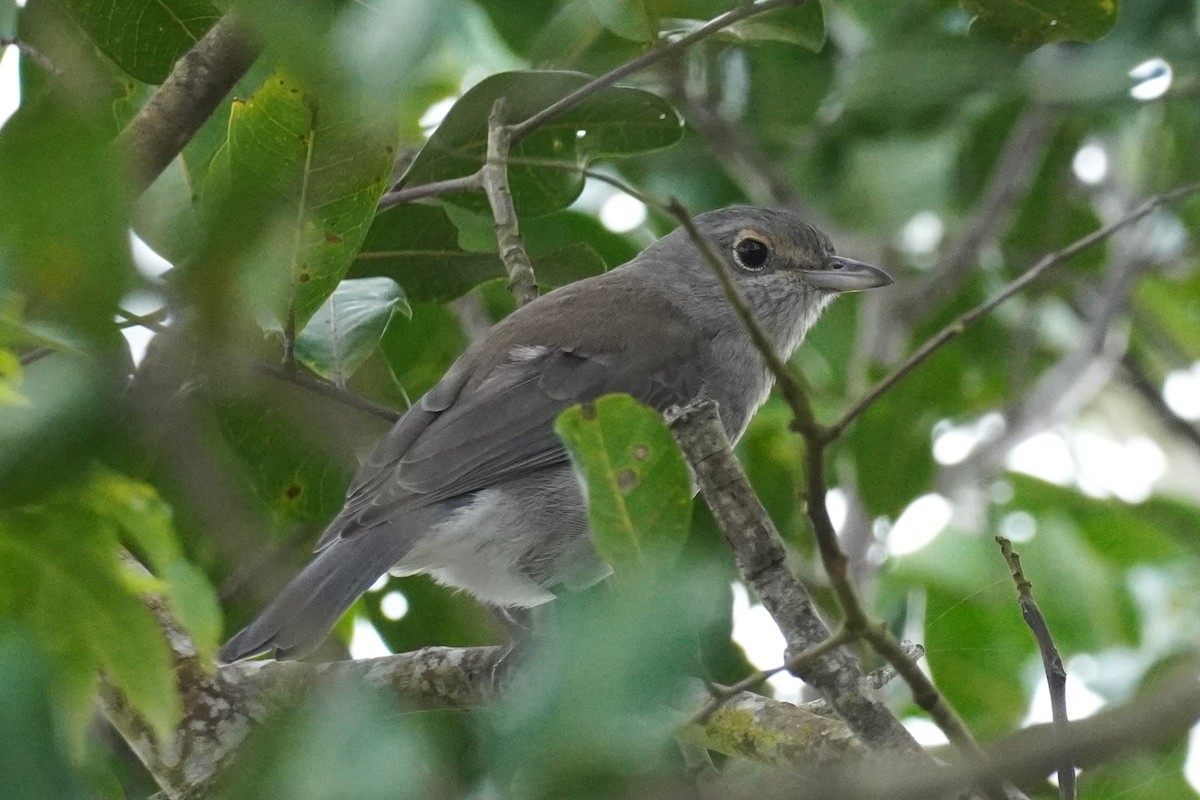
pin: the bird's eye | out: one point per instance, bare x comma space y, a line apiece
751, 253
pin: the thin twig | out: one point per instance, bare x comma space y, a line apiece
36, 354
576, 97
958, 326
494, 179
1056, 675
1135, 375
467, 183
30, 52
329, 390
797, 663
152, 321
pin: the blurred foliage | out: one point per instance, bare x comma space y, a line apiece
887, 120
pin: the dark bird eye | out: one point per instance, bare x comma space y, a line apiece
751, 253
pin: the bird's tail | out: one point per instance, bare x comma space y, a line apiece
304, 612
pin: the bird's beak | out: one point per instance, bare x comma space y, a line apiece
846, 275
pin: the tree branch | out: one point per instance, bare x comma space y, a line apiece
326, 389
761, 560
743, 11
493, 177
958, 326
184, 101
1056, 675
221, 707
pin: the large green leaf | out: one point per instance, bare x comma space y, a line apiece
348, 326
327, 167
637, 484
1027, 24
145, 37
417, 246
64, 241
614, 122
596, 705
1172, 303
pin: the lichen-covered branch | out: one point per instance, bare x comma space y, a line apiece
761, 559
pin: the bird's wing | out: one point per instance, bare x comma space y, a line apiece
468, 434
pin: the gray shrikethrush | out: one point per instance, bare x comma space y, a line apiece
473, 487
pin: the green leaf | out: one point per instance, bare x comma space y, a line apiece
628, 19
597, 705
638, 488
294, 478
64, 233
195, 605
327, 168
144, 523
616, 121
417, 246
10, 380
1172, 302
33, 759
1155, 530
144, 37
1027, 24
348, 326
60, 574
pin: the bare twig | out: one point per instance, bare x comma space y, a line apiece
184, 101
30, 52
958, 326
36, 354
798, 663
152, 321
1135, 375
467, 183
1056, 675
493, 176
326, 389
744, 11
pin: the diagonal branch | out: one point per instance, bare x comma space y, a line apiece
184, 101
761, 559
958, 326
742, 12
1056, 676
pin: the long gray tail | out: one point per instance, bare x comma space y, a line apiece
304, 612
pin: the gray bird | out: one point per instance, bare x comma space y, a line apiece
473, 487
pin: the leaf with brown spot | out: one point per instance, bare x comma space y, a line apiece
638, 488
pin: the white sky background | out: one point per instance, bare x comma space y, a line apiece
1095, 464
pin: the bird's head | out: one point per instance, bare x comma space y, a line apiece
786, 269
